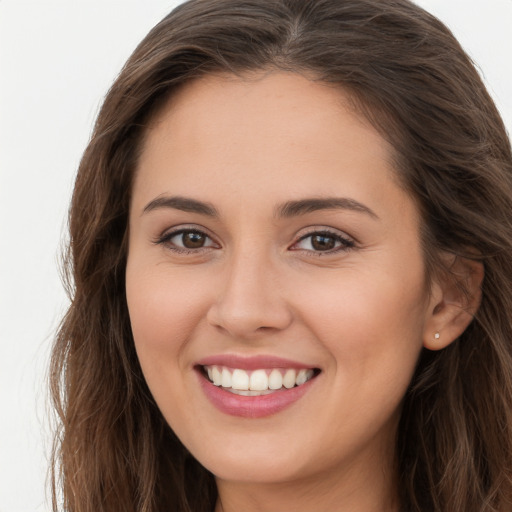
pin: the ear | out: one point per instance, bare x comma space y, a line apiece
455, 298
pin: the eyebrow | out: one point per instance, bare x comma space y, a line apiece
285, 210
184, 204
309, 205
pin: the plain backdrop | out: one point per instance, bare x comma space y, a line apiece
57, 60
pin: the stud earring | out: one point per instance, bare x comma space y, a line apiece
437, 336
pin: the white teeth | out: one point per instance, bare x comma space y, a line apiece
275, 379
240, 380
302, 377
257, 382
289, 379
250, 392
226, 378
216, 376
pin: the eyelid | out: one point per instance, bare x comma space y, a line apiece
315, 229
170, 233
347, 242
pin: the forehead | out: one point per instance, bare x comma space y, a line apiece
257, 100
262, 139
265, 125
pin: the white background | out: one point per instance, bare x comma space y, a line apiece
57, 60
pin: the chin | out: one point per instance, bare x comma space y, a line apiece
256, 470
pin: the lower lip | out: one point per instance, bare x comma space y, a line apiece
252, 406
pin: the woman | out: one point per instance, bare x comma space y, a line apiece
290, 240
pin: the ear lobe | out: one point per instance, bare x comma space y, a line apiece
455, 299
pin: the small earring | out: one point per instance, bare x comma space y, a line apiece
437, 336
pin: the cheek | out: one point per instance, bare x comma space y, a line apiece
359, 300
371, 324
164, 312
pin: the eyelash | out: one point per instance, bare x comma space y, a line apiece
345, 243
166, 238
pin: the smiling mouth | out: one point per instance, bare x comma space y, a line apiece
257, 382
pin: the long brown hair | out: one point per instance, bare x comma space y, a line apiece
411, 79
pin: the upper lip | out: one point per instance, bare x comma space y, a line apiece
252, 362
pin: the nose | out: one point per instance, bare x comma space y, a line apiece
250, 301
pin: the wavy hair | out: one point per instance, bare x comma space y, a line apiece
410, 78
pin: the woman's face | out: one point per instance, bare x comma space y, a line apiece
271, 244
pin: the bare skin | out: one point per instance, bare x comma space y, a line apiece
228, 254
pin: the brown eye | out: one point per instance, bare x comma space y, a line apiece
186, 240
323, 242
193, 240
